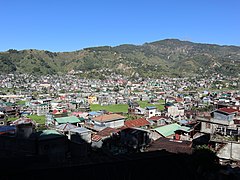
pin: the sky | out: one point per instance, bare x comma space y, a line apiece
69, 25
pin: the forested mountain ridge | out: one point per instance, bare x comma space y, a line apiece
170, 57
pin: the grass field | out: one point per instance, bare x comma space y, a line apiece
36, 118
159, 106
110, 108
124, 107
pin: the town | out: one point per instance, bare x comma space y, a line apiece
68, 120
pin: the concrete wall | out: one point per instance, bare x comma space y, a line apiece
115, 124
230, 151
221, 116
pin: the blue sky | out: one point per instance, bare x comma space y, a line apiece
68, 25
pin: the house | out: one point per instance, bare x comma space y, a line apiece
151, 111
140, 123
7, 130
24, 127
108, 120
80, 141
49, 119
11, 111
158, 120
184, 133
137, 111
92, 99
65, 128
132, 105
221, 122
42, 109
174, 111
80, 134
170, 145
165, 131
3, 119
64, 120
99, 139
52, 144
135, 139
60, 112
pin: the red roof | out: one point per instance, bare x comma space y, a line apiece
156, 118
96, 138
108, 117
55, 111
179, 99
107, 132
136, 122
228, 110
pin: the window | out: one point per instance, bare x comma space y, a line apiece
208, 125
1, 123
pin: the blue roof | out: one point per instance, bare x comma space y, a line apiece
4, 129
94, 113
183, 121
150, 107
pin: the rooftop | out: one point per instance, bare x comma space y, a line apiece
170, 145
136, 122
69, 119
108, 117
167, 130
228, 110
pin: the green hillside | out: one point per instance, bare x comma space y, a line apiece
169, 57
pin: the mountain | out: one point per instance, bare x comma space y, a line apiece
170, 57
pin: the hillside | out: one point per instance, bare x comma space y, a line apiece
170, 57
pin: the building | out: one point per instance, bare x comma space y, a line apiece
3, 119
221, 122
64, 120
108, 120
42, 109
151, 111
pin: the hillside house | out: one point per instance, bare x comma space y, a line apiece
138, 123
221, 122
158, 120
174, 111
151, 111
42, 109
80, 141
63, 120
108, 120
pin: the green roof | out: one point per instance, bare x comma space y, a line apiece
44, 104
167, 130
49, 134
9, 104
184, 128
81, 119
69, 119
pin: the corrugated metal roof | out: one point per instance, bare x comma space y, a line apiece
228, 110
65, 127
80, 130
108, 117
69, 119
170, 145
167, 130
136, 122
49, 134
107, 132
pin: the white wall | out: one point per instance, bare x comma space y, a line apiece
115, 124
